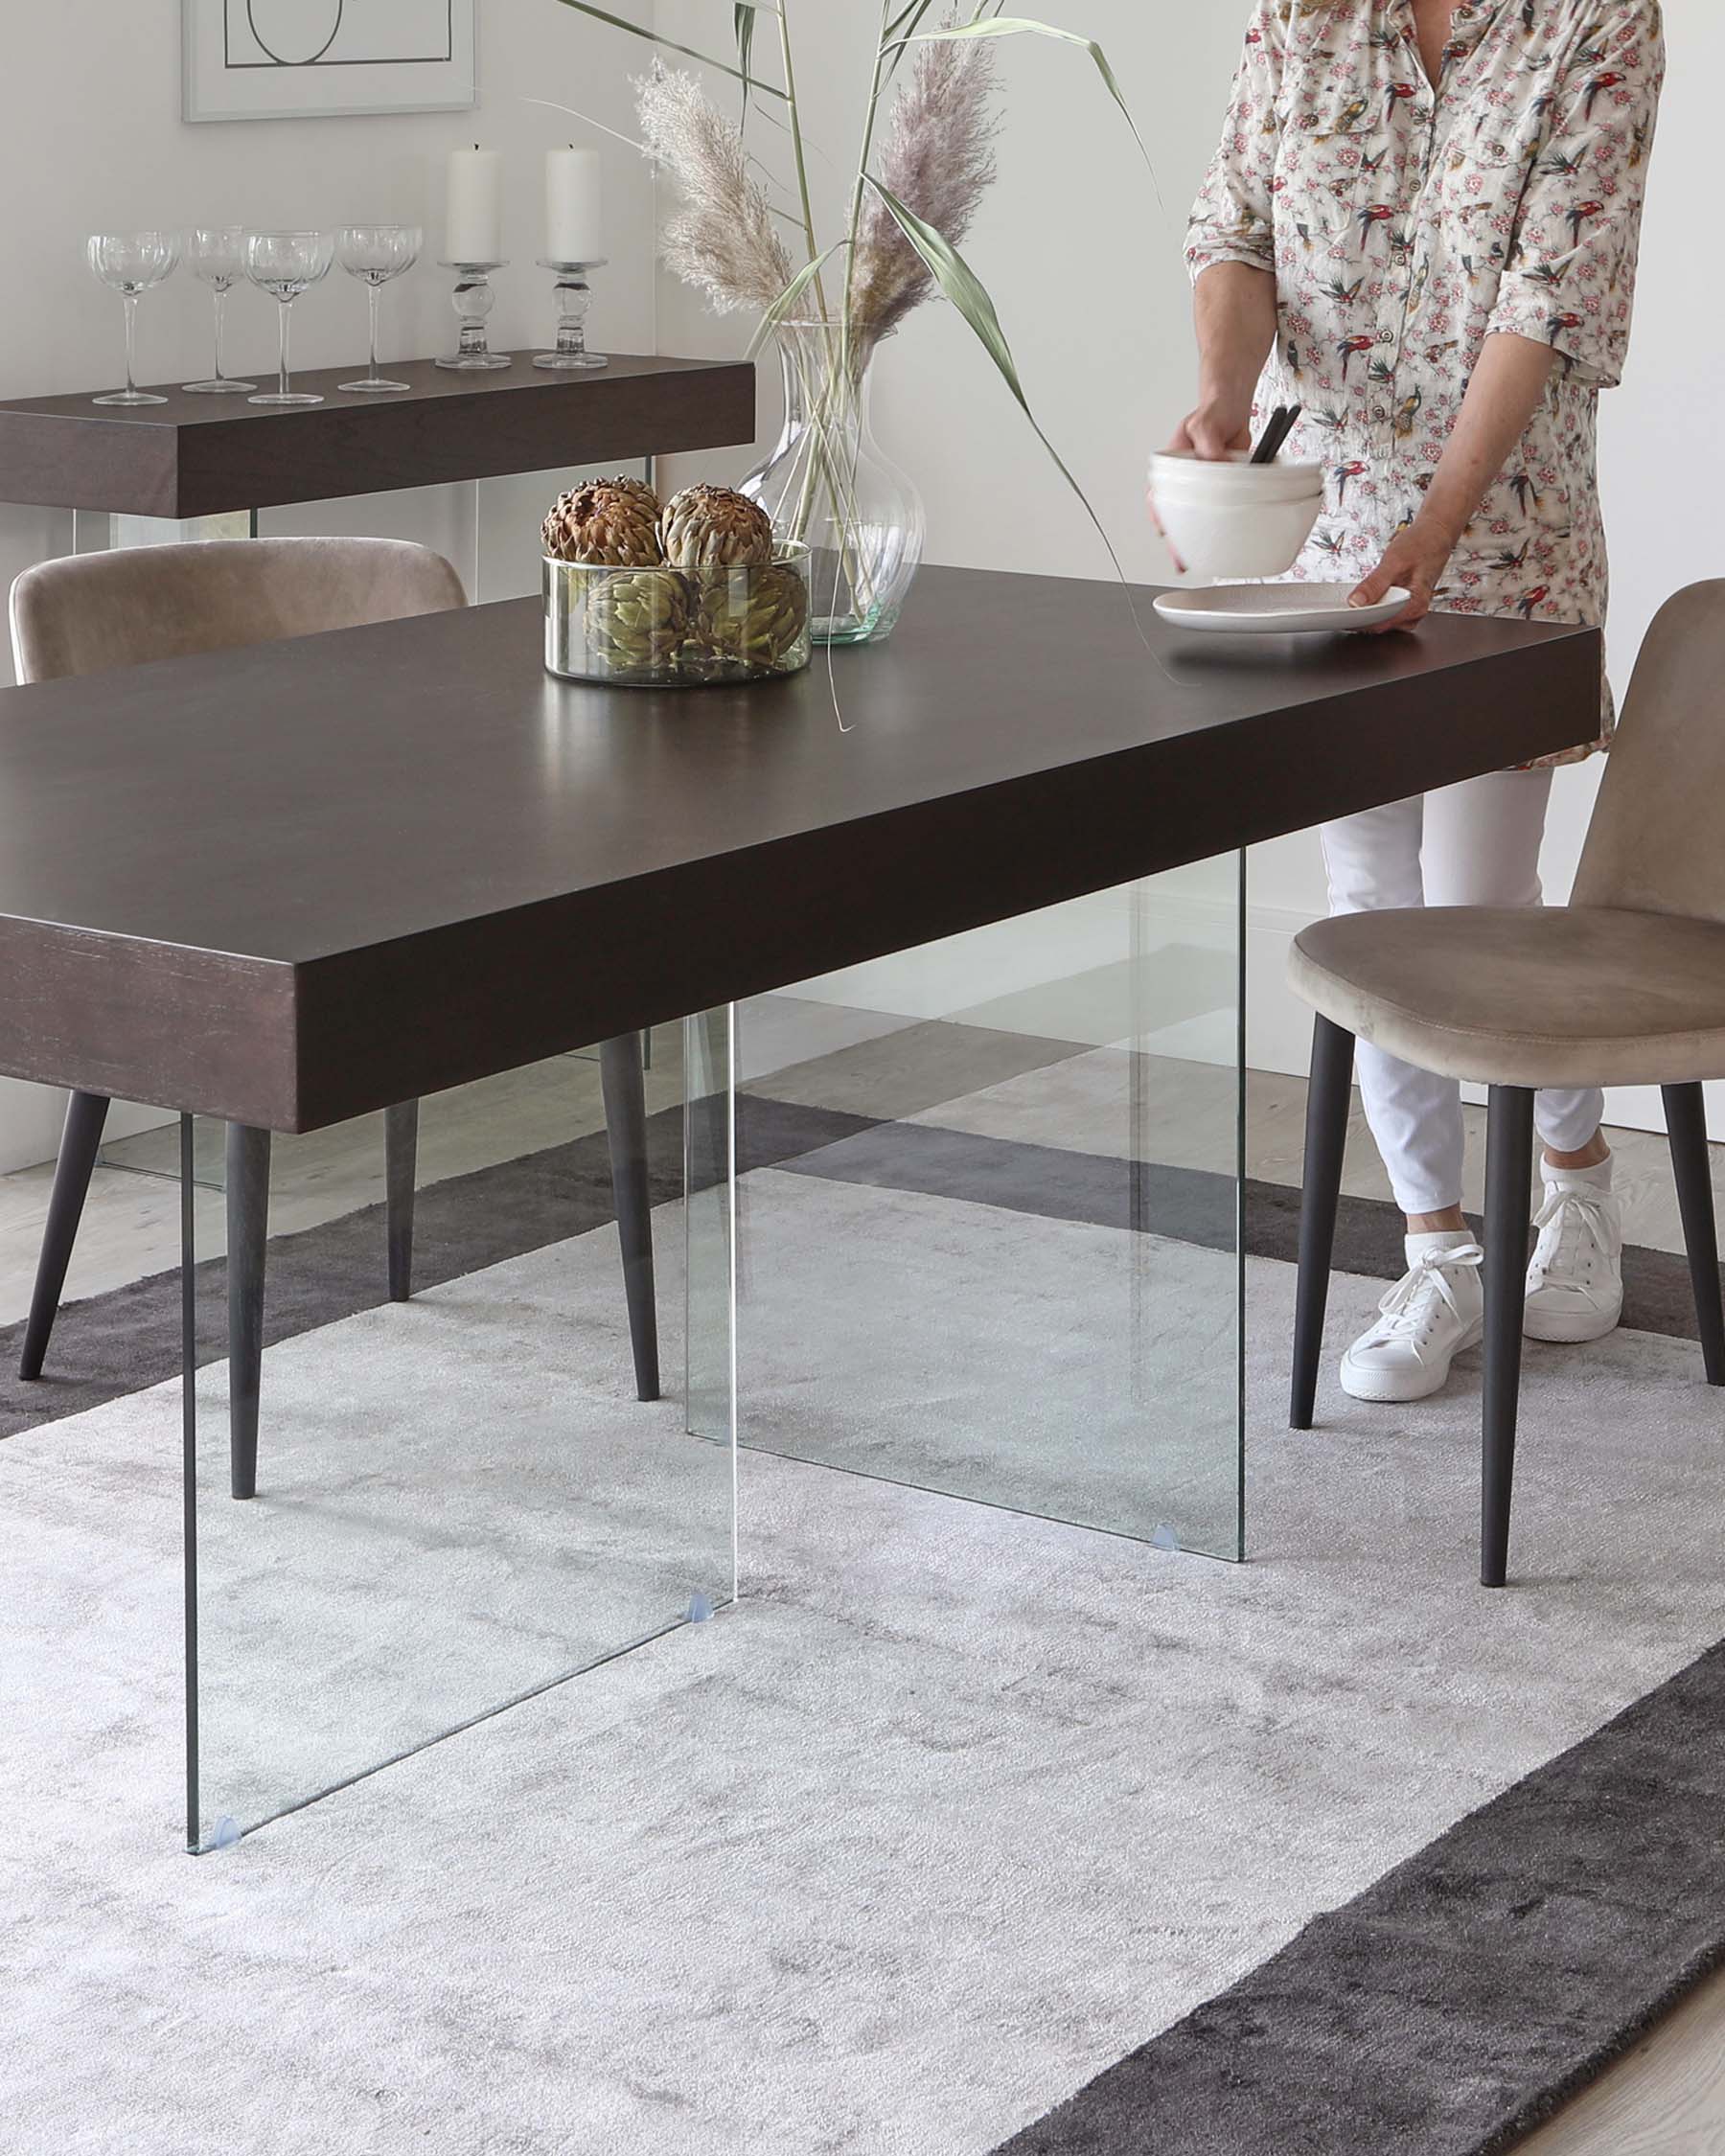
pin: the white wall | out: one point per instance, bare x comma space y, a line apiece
91, 137
1085, 266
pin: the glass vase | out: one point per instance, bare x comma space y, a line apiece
829, 485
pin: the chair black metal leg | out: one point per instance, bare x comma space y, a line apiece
79, 1144
1685, 1122
1509, 1189
626, 1119
247, 1233
1325, 1143
400, 1153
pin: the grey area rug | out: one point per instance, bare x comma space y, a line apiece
952, 1813
1019, 1728
1459, 2001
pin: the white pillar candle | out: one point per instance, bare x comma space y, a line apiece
474, 220
574, 206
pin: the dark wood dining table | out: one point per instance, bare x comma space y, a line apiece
291, 884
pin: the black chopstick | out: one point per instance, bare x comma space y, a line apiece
1280, 427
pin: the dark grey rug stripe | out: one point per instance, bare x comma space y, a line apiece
1188, 1204
1467, 1995
129, 1337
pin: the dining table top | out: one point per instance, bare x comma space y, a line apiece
295, 881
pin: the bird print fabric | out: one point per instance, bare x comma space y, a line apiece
1405, 221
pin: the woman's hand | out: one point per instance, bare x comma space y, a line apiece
1415, 561
1214, 429
1210, 431
1504, 392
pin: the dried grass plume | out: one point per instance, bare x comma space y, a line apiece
938, 156
721, 236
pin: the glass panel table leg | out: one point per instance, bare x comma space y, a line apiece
991, 1227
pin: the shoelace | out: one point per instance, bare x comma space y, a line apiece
1407, 1305
1574, 1212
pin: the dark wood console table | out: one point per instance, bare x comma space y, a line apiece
204, 456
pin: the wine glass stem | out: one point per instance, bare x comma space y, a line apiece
377, 294
221, 309
131, 341
286, 311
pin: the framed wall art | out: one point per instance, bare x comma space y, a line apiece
297, 60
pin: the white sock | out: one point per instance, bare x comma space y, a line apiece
1599, 1178
1437, 1239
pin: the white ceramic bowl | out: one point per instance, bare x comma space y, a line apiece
1257, 538
1233, 479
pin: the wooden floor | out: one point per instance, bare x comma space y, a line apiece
1667, 2099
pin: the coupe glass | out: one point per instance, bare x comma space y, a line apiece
130, 263
282, 264
217, 254
374, 253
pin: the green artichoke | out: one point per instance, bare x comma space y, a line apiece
636, 620
751, 617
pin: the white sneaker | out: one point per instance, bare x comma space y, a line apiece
1575, 1274
1428, 1317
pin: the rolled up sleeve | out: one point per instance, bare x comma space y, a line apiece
1232, 219
1569, 278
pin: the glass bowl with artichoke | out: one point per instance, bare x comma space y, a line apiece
678, 594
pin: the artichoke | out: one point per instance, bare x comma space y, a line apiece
715, 527
637, 490
636, 620
607, 524
751, 617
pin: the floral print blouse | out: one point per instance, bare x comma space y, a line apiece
1405, 223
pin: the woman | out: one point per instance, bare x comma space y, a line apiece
1425, 216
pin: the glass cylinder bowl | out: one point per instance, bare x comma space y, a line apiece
661, 628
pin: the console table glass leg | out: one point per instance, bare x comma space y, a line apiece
95, 531
188, 1465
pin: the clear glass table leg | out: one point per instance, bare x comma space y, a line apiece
710, 1222
456, 1503
991, 1237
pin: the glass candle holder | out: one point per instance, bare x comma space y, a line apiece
573, 297
473, 299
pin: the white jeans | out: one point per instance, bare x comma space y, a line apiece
1473, 844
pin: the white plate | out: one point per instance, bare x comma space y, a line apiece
1276, 609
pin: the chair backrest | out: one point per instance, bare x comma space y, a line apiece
1657, 840
83, 613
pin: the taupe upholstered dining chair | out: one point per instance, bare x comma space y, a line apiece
91, 613
1626, 986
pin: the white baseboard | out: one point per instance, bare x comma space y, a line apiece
31, 1117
